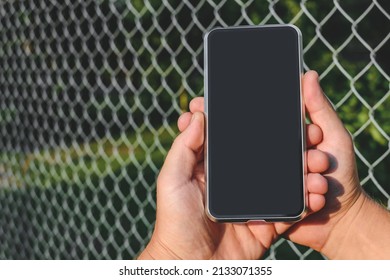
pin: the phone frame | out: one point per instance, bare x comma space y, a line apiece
303, 131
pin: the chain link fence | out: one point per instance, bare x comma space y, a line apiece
90, 92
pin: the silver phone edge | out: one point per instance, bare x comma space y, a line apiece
303, 132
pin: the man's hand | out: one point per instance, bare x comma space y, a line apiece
183, 231
350, 225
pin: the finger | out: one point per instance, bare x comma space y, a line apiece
197, 105
318, 107
183, 121
281, 227
317, 161
316, 183
313, 135
316, 202
182, 158
317, 186
311, 234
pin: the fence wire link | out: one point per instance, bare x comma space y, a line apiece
89, 96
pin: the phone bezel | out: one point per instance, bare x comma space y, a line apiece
267, 218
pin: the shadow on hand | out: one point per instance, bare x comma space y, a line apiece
332, 199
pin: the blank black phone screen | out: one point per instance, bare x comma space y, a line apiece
254, 123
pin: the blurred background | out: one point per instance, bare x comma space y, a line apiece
90, 92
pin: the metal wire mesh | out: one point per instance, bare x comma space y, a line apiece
90, 92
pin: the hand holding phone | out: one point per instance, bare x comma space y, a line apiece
182, 229
181, 222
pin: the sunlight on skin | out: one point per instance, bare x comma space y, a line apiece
338, 229
182, 228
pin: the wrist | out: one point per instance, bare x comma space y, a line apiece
155, 250
362, 233
337, 241
145, 255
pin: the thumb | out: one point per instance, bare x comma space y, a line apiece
318, 107
184, 155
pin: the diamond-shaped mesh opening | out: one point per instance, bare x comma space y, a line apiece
354, 57
382, 197
372, 86
319, 55
336, 21
371, 137
376, 32
90, 91
231, 9
354, 114
318, 12
336, 85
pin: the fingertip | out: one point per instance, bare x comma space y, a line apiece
313, 75
313, 135
183, 121
197, 119
312, 91
197, 104
317, 184
194, 134
316, 202
317, 161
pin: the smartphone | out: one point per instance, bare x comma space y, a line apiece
255, 125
